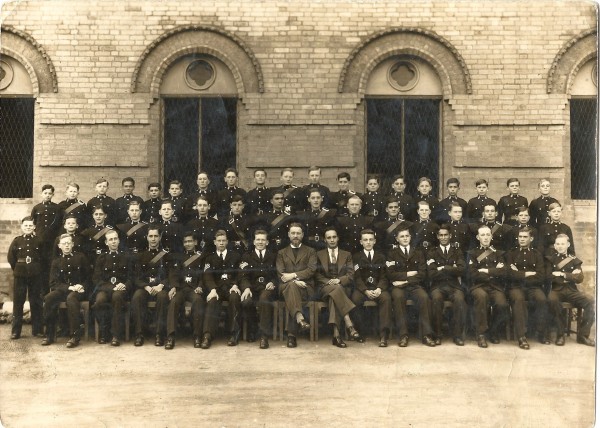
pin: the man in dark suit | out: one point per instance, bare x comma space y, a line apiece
316, 219
371, 283
334, 278
202, 225
296, 266
388, 227
351, 225
221, 276
445, 267
259, 285
133, 231
406, 271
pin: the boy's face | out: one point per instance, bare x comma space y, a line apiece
221, 242
444, 236
555, 214
260, 177
332, 239
166, 212
277, 201
153, 192
99, 217
489, 213
27, 227
372, 185
523, 217
230, 179
202, 207
102, 188
513, 187
153, 239
72, 192
174, 190
561, 245
189, 243
134, 212
344, 184
260, 241
456, 213
287, 177
66, 245
367, 241
112, 240
399, 185
237, 207
392, 209
403, 238
424, 212
482, 189
453, 189
484, 236
524, 239
71, 225
354, 205
314, 176
315, 199
128, 187
202, 181
424, 188
545, 188
47, 195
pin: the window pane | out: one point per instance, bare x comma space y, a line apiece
583, 148
16, 147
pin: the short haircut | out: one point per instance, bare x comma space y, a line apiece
48, 186
512, 180
490, 204
111, 231
154, 184
134, 202
70, 216
397, 177
176, 182
562, 235
166, 202
189, 233
73, 184
260, 170
126, 179
367, 232
373, 177
329, 229
98, 207
543, 180
287, 170
483, 226
277, 191
314, 190
236, 198
220, 232
445, 226
554, 205
27, 218
202, 198
481, 181
155, 227
391, 200
102, 180
521, 209
313, 168
343, 175
200, 173
260, 232
453, 205
422, 179
295, 224
528, 230
355, 197
452, 180
403, 228
63, 236
228, 170
423, 203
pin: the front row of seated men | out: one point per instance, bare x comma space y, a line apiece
299, 273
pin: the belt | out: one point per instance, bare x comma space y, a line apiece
261, 279
26, 260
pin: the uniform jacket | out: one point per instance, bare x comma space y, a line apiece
256, 274
398, 264
69, 270
525, 260
24, 249
508, 208
113, 268
571, 279
152, 274
369, 275
221, 274
187, 270
453, 263
132, 236
547, 234
495, 276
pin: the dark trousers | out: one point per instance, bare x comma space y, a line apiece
384, 305
234, 310
24, 286
265, 311
483, 297
459, 309
419, 296
110, 313
577, 299
338, 302
211, 317
518, 300
198, 302
51, 302
139, 308
293, 295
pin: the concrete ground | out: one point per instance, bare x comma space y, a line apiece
314, 384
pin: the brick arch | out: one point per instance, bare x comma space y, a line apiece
434, 49
200, 39
25, 49
567, 62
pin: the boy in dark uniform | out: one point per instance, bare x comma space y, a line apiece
151, 207
509, 205
122, 202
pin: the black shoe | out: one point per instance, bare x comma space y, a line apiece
197, 342
47, 341
427, 340
523, 344
560, 340
206, 341
170, 343
459, 342
303, 325
586, 341
494, 340
251, 337
73, 342
383, 342
403, 341
233, 340
115, 341
437, 340
139, 340
543, 339
159, 340
337, 341
101, 340
353, 334
291, 342
481, 342
264, 342
15, 336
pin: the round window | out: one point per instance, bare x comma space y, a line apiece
6, 74
200, 74
403, 75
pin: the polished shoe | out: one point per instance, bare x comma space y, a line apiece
73, 342
159, 341
586, 341
352, 333
170, 343
47, 341
494, 340
15, 336
264, 342
303, 325
383, 342
523, 344
437, 340
403, 342
233, 340
459, 342
543, 339
206, 341
291, 342
197, 342
337, 341
115, 342
101, 340
139, 340
560, 340
427, 340
481, 342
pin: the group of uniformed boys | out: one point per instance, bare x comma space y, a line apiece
298, 244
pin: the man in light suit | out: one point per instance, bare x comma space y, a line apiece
334, 276
296, 266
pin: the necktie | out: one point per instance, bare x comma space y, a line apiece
370, 257
223, 256
333, 259
260, 255
445, 251
405, 251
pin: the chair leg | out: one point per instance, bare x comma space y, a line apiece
313, 324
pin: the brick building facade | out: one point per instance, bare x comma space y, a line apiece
107, 79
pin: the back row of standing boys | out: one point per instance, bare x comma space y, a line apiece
303, 244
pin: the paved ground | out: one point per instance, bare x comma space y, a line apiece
314, 384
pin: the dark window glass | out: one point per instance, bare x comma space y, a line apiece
583, 148
16, 147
